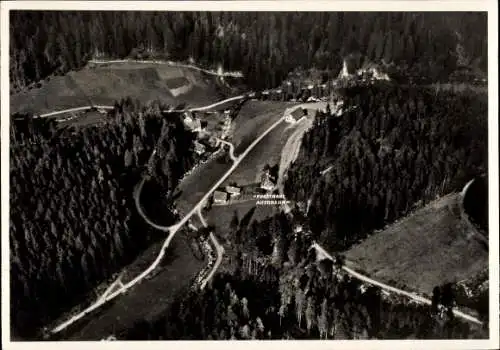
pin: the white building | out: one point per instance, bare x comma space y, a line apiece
220, 197
199, 148
233, 191
266, 182
295, 115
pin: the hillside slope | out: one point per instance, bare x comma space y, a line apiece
430, 247
105, 84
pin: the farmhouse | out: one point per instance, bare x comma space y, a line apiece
233, 191
266, 181
220, 197
199, 148
179, 85
191, 122
295, 115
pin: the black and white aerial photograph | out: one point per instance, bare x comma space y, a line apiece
247, 175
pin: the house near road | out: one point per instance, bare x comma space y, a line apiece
178, 85
199, 148
220, 197
233, 191
295, 115
267, 181
191, 122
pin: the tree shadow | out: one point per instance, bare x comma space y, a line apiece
245, 220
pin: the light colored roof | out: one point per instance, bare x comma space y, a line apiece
198, 147
233, 189
298, 113
220, 196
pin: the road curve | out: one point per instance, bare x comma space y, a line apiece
202, 219
194, 109
474, 232
231, 149
172, 231
220, 251
137, 193
386, 287
466, 187
204, 108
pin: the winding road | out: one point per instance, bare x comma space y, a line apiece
388, 288
171, 230
231, 149
194, 109
219, 249
120, 288
286, 159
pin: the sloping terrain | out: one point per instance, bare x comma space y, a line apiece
253, 119
104, 84
268, 151
148, 299
430, 247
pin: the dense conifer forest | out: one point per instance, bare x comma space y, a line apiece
303, 299
73, 216
73, 221
393, 147
264, 46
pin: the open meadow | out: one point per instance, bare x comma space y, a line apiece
430, 247
253, 119
104, 84
148, 299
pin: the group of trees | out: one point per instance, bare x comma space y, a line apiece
279, 289
72, 214
308, 300
265, 46
392, 148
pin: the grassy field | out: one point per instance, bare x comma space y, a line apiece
430, 247
267, 151
83, 119
105, 84
220, 216
150, 298
196, 184
253, 119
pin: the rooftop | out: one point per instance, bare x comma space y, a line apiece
233, 189
220, 196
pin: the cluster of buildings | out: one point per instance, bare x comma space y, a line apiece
368, 73
223, 196
295, 115
203, 140
267, 180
